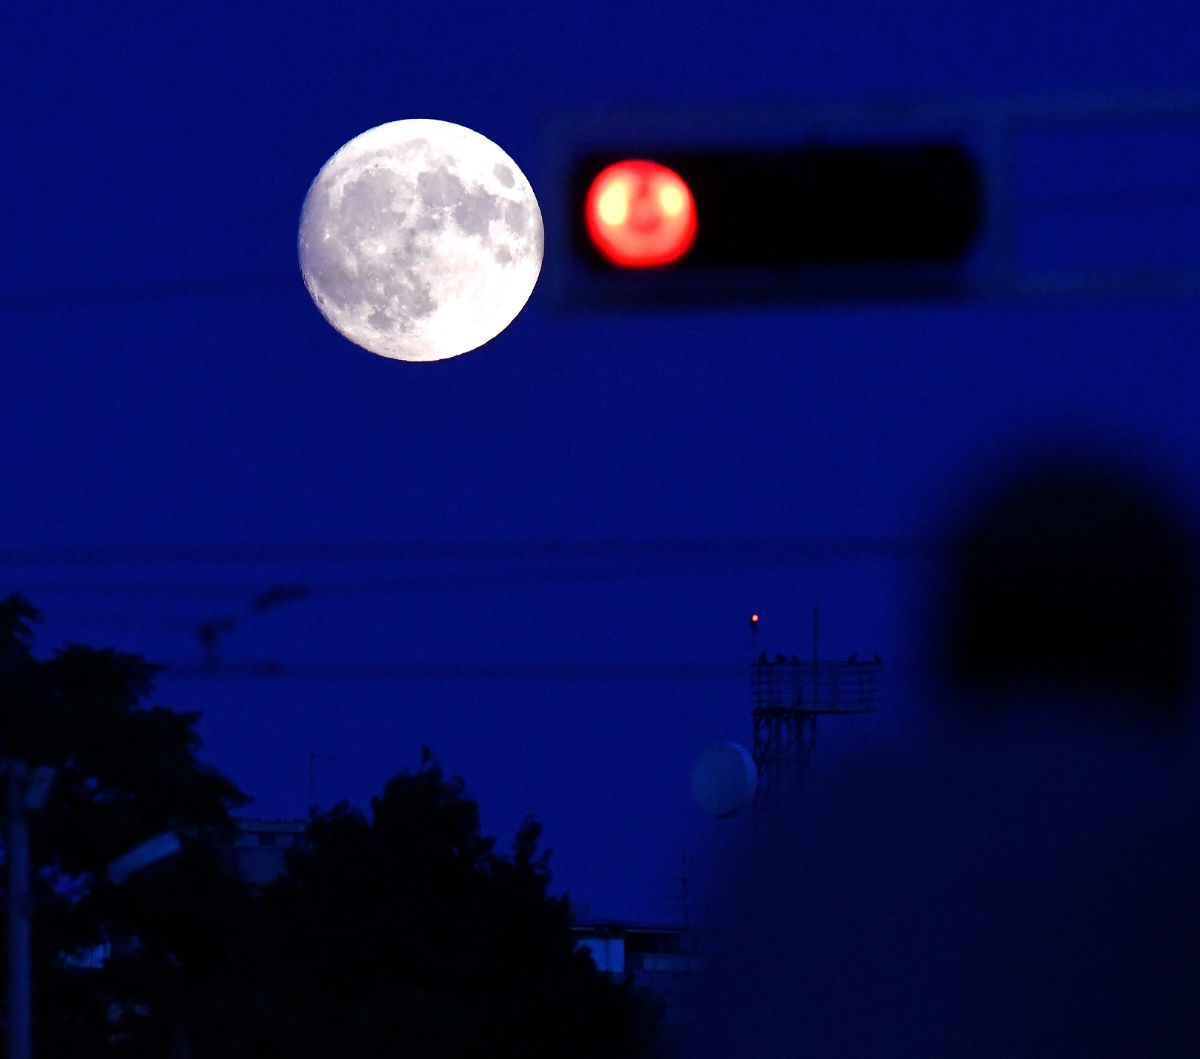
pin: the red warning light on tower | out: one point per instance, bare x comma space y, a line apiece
640, 214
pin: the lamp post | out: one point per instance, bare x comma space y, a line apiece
27, 790
20, 1045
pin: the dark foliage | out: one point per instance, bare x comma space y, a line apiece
403, 935
124, 772
407, 935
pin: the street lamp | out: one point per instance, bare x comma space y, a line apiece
27, 791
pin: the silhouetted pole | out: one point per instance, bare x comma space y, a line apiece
20, 1034
816, 652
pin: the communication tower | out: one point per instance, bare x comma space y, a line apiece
789, 695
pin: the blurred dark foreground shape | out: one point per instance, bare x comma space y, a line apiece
1072, 575
1018, 874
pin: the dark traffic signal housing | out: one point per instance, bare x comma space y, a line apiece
809, 207
876, 200
818, 220
651, 210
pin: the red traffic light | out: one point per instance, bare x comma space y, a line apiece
640, 214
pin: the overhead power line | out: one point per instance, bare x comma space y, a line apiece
160, 291
1127, 199
485, 580
757, 548
553, 672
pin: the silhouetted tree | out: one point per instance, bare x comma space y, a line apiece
407, 935
124, 772
401, 935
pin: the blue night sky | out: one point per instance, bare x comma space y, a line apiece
168, 386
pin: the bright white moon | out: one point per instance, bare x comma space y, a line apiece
420, 240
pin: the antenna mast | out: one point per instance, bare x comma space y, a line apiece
789, 695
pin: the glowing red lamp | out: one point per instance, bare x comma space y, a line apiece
640, 214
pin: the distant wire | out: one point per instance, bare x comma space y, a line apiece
418, 583
132, 622
693, 558
1119, 199
760, 548
165, 290
151, 590
516, 672
566, 672
655, 558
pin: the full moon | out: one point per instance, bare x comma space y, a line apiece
420, 240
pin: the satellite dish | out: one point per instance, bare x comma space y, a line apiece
724, 779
